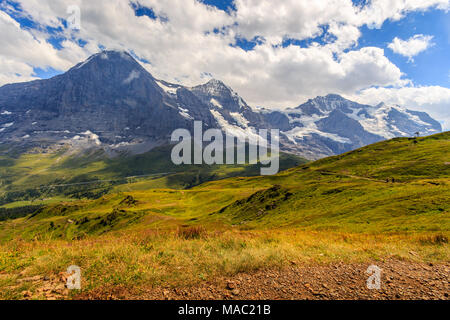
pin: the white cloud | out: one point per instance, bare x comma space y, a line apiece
14, 71
295, 74
379, 11
22, 50
275, 20
183, 47
411, 47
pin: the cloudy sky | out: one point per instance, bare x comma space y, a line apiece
275, 54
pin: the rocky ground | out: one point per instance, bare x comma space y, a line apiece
400, 280
47, 287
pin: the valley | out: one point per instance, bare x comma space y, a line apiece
384, 202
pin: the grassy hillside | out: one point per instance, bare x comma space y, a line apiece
386, 200
400, 185
397, 185
48, 175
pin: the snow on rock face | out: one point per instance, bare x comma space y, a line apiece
310, 128
185, 113
167, 89
391, 121
373, 119
6, 113
215, 103
240, 119
219, 95
383, 120
82, 64
92, 137
216, 88
236, 131
337, 124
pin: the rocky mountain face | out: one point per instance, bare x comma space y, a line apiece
111, 101
109, 96
333, 124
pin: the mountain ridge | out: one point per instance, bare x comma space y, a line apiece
110, 100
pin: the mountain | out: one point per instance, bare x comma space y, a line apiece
110, 101
108, 98
333, 125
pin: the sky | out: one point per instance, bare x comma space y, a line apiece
275, 54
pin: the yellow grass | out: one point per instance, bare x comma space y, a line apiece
146, 259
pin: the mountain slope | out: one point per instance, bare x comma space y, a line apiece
110, 94
396, 186
35, 176
112, 102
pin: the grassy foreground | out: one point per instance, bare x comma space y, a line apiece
386, 200
143, 260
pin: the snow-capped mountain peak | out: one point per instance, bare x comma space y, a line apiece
220, 95
111, 96
338, 120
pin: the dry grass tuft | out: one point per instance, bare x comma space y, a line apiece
191, 233
437, 239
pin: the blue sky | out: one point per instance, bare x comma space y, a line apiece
429, 67
274, 54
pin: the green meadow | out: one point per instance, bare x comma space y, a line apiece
385, 200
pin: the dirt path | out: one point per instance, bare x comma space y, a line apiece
399, 280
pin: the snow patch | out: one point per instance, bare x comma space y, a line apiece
215, 103
6, 113
215, 88
81, 65
121, 144
248, 133
310, 127
378, 123
416, 119
167, 89
240, 119
93, 137
301, 133
185, 113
